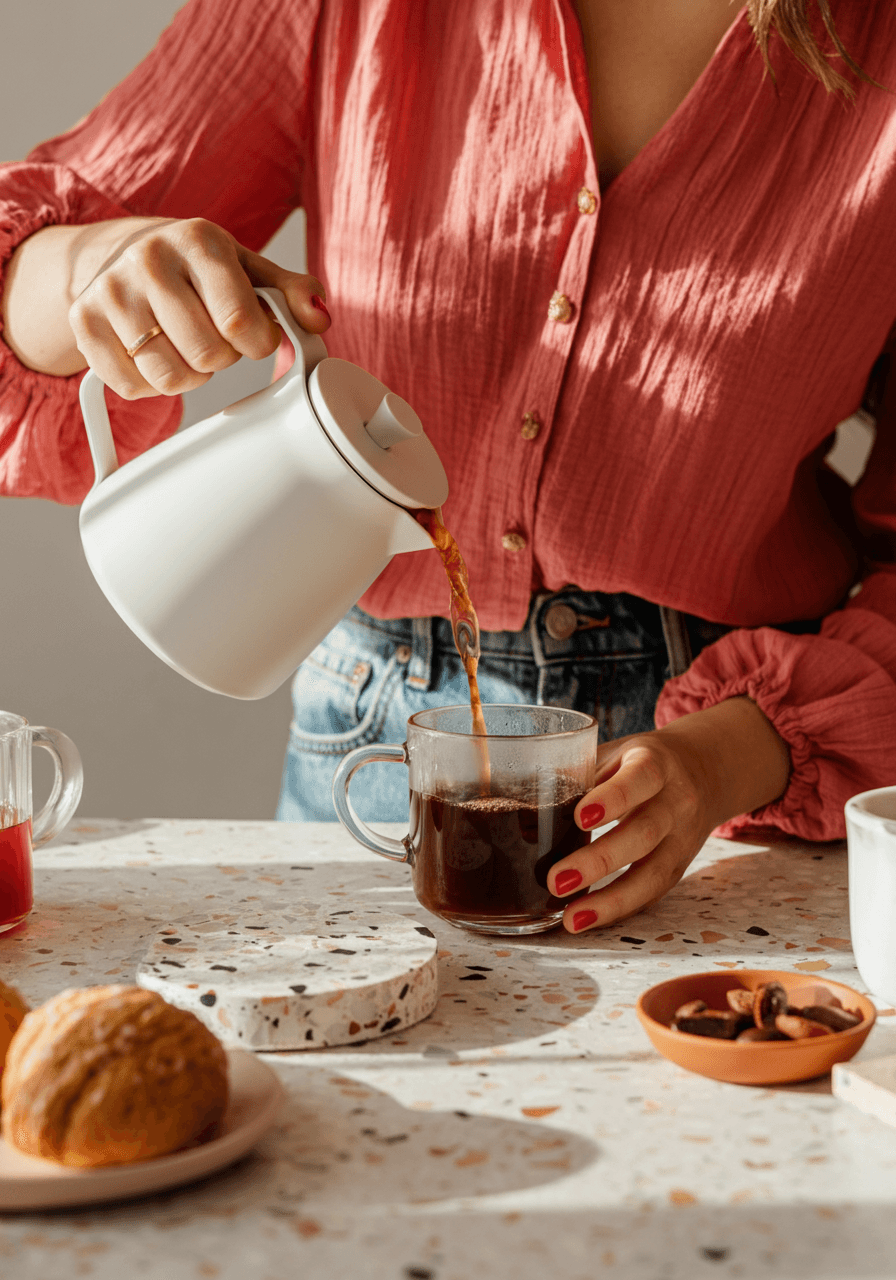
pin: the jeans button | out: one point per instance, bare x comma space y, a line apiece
560, 621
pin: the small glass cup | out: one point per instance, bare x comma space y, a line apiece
18, 834
489, 815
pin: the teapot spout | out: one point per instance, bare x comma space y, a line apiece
408, 534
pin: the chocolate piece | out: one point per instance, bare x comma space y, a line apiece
740, 1000
689, 1009
769, 1000
719, 1024
828, 1016
796, 1027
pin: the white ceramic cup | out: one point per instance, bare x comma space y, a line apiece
871, 834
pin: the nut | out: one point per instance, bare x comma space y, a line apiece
740, 1000
769, 1000
688, 1010
799, 1028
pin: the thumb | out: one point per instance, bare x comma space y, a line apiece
305, 295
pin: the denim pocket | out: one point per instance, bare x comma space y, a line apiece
341, 699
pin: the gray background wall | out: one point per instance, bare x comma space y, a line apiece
153, 744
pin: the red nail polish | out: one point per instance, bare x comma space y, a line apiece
592, 815
566, 881
583, 919
320, 305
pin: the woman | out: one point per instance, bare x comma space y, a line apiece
629, 280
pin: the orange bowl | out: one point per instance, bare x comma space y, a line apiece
760, 1062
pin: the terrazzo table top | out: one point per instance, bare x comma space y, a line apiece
527, 1128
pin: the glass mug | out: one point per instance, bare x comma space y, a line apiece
18, 834
485, 829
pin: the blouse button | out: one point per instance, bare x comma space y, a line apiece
586, 200
513, 542
560, 308
531, 426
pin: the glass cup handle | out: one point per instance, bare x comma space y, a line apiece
395, 850
67, 784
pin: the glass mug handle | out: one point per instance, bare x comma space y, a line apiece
395, 850
67, 784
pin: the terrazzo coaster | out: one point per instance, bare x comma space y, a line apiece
306, 979
869, 1086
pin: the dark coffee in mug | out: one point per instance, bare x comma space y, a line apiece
481, 842
484, 860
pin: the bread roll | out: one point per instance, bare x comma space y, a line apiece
110, 1075
12, 1010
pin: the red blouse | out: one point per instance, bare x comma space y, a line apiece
658, 428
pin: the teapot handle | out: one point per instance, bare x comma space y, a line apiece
99, 432
309, 349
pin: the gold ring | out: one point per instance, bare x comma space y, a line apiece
143, 339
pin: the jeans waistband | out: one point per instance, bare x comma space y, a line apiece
562, 626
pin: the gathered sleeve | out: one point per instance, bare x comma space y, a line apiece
214, 123
830, 696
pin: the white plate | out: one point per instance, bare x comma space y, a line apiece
256, 1093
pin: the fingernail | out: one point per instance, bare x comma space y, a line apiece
566, 881
591, 815
583, 920
320, 305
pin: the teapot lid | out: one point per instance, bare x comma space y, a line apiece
377, 433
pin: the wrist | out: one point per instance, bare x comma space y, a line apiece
45, 275
741, 760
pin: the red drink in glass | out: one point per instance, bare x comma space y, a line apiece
19, 831
16, 897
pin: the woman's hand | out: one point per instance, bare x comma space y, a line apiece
79, 295
667, 790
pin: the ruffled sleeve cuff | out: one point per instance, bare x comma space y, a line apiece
43, 444
833, 705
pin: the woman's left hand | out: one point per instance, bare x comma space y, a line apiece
667, 790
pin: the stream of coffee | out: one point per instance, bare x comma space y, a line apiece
464, 623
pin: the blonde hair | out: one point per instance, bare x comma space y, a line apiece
790, 19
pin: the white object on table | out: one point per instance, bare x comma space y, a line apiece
305, 977
870, 1086
871, 835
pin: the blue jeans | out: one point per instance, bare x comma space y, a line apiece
369, 676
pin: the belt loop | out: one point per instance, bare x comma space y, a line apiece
420, 665
678, 644
534, 634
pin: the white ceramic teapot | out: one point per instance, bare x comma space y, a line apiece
232, 548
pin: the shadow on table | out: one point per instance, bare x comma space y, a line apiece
346, 1144
761, 904
81, 831
487, 1001
491, 990
350, 1169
